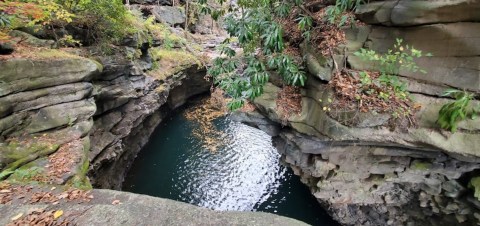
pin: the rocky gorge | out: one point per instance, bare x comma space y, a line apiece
72, 121
100, 111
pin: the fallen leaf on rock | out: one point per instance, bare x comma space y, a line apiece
57, 214
16, 217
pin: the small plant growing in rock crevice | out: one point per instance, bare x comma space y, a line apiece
452, 113
390, 64
400, 57
382, 91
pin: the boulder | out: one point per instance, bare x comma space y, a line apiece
356, 37
206, 25
20, 36
376, 12
37, 31
317, 64
173, 16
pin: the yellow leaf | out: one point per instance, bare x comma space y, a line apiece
57, 214
17, 216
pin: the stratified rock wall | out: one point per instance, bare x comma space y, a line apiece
101, 112
364, 173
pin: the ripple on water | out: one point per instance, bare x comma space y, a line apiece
242, 173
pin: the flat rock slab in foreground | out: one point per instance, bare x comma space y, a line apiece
120, 208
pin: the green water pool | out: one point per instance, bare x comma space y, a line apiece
242, 173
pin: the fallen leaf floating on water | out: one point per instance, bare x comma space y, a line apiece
57, 214
116, 202
206, 131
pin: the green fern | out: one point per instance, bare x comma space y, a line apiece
452, 113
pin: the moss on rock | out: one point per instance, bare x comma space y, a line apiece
33, 153
421, 165
171, 62
475, 184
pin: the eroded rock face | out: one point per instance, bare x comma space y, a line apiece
374, 185
369, 175
102, 113
21, 75
364, 173
131, 108
46, 106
